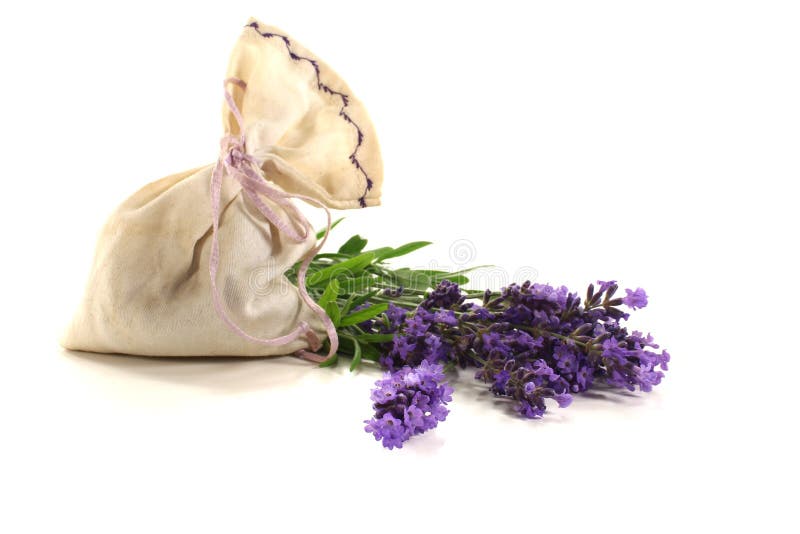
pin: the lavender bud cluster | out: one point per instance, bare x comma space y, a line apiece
529, 343
408, 402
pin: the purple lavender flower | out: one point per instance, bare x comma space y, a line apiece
447, 317
635, 299
529, 343
446, 295
397, 292
408, 402
583, 378
563, 399
500, 382
566, 358
388, 429
417, 325
402, 349
425, 337
395, 315
605, 286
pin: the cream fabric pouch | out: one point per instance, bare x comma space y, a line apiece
293, 130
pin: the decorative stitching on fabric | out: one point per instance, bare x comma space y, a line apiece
326, 89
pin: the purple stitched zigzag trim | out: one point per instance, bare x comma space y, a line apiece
324, 88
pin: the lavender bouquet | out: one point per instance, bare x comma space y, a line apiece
528, 342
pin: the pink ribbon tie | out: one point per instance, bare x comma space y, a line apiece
246, 169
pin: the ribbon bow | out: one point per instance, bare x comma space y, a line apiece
237, 163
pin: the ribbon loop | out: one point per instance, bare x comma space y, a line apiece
237, 163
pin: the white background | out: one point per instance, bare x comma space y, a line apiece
651, 142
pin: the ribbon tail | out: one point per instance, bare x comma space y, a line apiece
247, 171
253, 183
213, 267
330, 329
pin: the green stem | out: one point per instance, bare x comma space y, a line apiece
540, 332
478, 358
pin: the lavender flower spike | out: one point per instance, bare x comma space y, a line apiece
408, 402
635, 299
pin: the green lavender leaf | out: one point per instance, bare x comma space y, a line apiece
330, 362
348, 304
379, 252
330, 293
456, 279
410, 279
402, 250
331, 256
357, 285
321, 232
363, 315
334, 313
358, 301
356, 355
369, 352
353, 246
375, 338
347, 268
332, 308
445, 275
